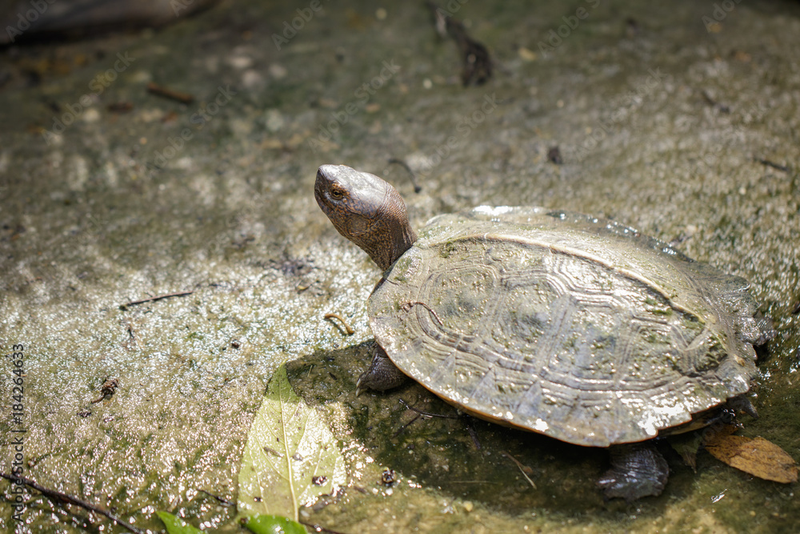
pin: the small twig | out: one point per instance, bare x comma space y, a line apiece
521, 469
68, 499
419, 413
223, 501
713, 103
402, 428
132, 342
427, 414
471, 430
183, 98
120, 107
403, 164
153, 299
347, 329
768, 163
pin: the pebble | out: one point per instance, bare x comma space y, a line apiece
240, 62
526, 54
91, 115
252, 78
278, 71
273, 120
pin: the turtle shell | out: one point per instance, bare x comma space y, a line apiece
567, 325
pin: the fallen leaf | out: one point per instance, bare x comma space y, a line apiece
289, 451
274, 524
687, 439
687, 446
755, 456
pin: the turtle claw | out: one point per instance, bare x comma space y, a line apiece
743, 404
360, 388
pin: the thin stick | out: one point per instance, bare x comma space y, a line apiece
713, 103
223, 501
183, 98
402, 428
768, 163
347, 328
472, 433
153, 299
403, 164
521, 469
63, 497
426, 414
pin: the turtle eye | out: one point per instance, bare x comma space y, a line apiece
337, 194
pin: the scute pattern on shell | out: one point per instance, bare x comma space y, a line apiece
578, 328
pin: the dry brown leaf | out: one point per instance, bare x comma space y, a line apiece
755, 456
687, 446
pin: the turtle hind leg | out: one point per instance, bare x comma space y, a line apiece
381, 375
637, 470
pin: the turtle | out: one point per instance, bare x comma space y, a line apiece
555, 322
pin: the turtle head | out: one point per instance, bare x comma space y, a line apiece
366, 210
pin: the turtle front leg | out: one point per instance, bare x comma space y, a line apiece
637, 470
381, 375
